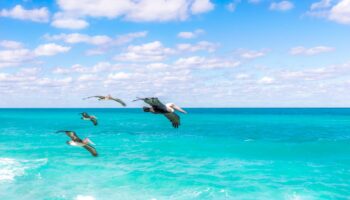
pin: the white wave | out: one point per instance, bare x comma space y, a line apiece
83, 197
11, 168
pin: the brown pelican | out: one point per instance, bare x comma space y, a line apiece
76, 141
168, 110
86, 116
108, 97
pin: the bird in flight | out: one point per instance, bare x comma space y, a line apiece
76, 141
86, 116
108, 97
168, 110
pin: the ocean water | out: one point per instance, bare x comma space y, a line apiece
215, 154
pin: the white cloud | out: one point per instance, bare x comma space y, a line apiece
9, 44
337, 11
190, 35
266, 80
129, 37
80, 38
157, 66
14, 57
310, 51
200, 46
153, 51
233, 4
50, 49
87, 78
142, 10
341, 12
321, 4
281, 6
242, 76
201, 6
119, 76
251, 54
60, 20
198, 62
18, 12
231, 7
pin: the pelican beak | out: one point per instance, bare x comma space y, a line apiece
179, 109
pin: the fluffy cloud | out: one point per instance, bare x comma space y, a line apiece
281, 6
14, 57
198, 62
61, 20
337, 11
80, 38
50, 49
200, 46
18, 12
149, 52
9, 44
190, 35
232, 5
143, 10
341, 12
310, 51
201, 6
251, 54
266, 80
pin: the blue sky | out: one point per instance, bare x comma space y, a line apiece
197, 53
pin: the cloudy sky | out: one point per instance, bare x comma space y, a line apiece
197, 53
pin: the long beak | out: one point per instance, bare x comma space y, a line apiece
179, 109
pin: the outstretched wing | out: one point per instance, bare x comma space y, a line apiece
93, 97
119, 101
156, 104
93, 120
174, 119
72, 135
91, 149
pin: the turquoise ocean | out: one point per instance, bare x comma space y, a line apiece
215, 154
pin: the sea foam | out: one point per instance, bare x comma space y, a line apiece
11, 168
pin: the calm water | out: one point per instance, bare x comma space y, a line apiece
215, 154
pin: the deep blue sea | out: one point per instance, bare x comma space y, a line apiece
214, 154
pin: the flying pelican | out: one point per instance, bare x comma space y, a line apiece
76, 141
86, 116
168, 110
108, 97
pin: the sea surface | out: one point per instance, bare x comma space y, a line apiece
215, 154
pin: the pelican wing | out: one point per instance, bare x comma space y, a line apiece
174, 119
119, 101
91, 149
93, 120
72, 135
100, 97
156, 104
